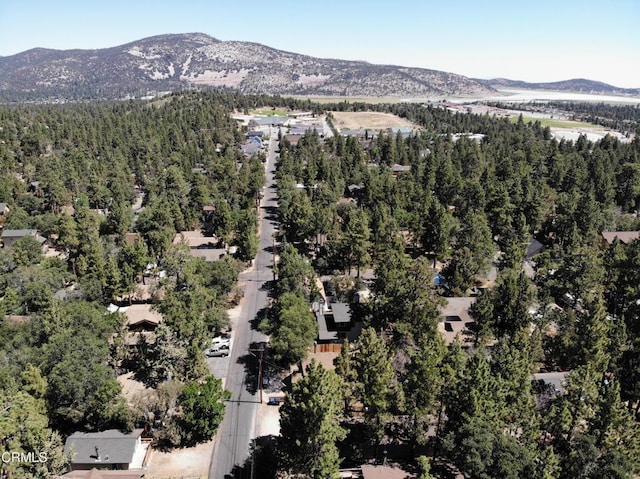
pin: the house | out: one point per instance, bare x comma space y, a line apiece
455, 317
534, 248
141, 322
358, 133
139, 317
397, 169
301, 114
200, 246
354, 189
302, 129
334, 321
293, 139
626, 237
404, 131
255, 134
251, 148
11, 236
111, 449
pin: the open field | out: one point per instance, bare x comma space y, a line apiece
502, 95
552, 123
347, 120
268, 112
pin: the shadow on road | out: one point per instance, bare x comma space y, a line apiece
268, 285
260, 316
262, 462
250, 363
271, 212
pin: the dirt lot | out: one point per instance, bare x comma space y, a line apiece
187, 463
345, 120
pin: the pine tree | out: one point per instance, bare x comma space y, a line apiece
375, 378
310, 425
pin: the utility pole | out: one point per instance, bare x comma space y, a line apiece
261, 351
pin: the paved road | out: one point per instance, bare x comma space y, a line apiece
231, 452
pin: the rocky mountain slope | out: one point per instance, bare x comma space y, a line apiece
576, 85
172, 62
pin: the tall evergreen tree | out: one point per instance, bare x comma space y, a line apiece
310, 425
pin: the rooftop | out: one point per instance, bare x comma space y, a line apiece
137, 313
623, 236
455, 317
18, 233
106, 447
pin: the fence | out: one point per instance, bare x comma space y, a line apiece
327, 348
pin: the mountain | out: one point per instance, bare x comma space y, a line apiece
576, 85
172, 62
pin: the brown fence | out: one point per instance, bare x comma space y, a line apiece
327, 348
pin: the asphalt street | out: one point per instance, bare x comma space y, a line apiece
231, 453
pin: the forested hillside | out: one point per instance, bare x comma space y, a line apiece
471, 204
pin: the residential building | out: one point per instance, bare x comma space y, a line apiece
9, 237
111, 449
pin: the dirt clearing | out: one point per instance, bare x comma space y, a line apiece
187, 463
346, 120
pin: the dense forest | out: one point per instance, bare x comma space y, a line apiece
73, 172
109, 185
466, 205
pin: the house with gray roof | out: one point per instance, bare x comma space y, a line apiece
11, 236
111, 449
251, 148
334, 321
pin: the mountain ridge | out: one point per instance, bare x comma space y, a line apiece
175, 61
170, 62
573, 85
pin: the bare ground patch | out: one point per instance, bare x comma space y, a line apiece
347, 120
190, 462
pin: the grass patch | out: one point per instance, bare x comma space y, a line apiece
268, 112
552, 123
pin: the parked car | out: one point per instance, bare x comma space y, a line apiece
223, 339
275, 400
220, 350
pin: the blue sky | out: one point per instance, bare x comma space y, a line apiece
540, 40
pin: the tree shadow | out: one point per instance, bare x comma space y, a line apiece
268, 285
260, 316
271, 212
250, 363
262, 462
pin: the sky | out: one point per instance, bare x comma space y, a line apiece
530, 40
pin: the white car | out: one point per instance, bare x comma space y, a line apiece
220, 350
219, 340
